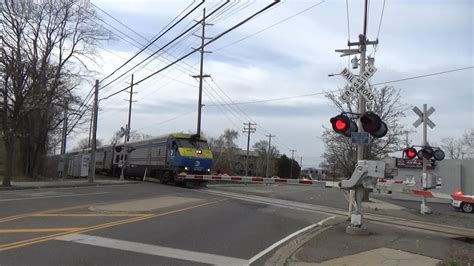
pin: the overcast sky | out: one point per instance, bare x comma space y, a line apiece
289, 59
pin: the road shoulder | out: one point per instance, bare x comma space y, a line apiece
384, 244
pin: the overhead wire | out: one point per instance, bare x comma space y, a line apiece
214, 18
270, 26
425, 75
163, 47
151, 42
205, 44
380, 25
187, 69
88, 97
142, 66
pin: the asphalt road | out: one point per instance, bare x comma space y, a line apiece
443, 213
140, 224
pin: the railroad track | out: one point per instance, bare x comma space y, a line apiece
408, 224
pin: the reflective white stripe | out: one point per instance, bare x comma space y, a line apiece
152, 250
270, 248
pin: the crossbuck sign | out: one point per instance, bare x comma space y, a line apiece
422, 117
356, 83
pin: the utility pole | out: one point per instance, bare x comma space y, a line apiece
127, 131
248, 129
407, 140
270, 136
90, 128
62, 157
94, 133
201, 75
291, 167
63, 140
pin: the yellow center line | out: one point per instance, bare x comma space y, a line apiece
97, 227
39, 230
20, 216
89, 215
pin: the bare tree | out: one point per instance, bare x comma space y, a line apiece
462, 148
261, 147
118, 136
451, 147
468, 145
224, 151
340, 155
84, 144
46, 47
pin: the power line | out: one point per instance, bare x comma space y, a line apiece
167, 120
209, 42
87, 99
424, 76
271, 26
132, 30
321, 93
157, 51
153, 41
380, 25
214, 81
279, 99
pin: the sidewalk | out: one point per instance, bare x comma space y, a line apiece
331, 245
66, 183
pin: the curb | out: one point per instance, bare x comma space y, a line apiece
67, 186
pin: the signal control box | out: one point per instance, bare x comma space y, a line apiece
365, 174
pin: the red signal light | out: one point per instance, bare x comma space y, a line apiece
340, 125
410, 153
343, 125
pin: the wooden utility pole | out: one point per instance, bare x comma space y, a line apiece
291, 167
270, 136
248, 129
127, 132
201, 75
94, 133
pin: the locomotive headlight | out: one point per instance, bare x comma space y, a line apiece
186, 168
208, 170
199, 151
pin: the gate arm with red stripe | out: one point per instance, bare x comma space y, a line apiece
258, 180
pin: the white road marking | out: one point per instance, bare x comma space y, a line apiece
153, 250
270, 248
279, 202
57, 196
